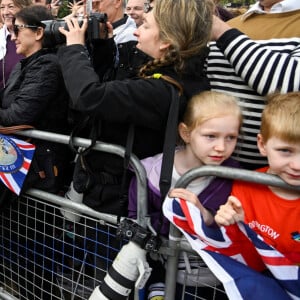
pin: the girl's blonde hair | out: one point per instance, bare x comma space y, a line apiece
281, 117
186, 25
210, 104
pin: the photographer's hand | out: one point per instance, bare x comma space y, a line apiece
110, 30
75, 33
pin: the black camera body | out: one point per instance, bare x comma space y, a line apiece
96, 30
139, 235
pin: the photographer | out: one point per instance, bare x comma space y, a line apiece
174, 34
143, 101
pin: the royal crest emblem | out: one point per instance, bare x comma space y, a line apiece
15, 159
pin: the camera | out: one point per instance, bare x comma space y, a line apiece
130, 268
96, 30
138, 235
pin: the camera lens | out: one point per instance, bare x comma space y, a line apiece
52, 36
96, 30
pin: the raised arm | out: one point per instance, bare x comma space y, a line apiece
266, 66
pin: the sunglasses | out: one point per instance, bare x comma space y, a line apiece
16, 28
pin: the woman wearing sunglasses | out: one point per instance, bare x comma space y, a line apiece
35, 94
8, 55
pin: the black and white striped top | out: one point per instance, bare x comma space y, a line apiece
250, 70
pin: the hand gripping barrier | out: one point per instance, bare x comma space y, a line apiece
36, 199
134, 269
225, 172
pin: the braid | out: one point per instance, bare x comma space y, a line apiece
148, 67
171, 58
186, 26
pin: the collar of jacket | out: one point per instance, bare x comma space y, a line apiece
25, 61
120, 22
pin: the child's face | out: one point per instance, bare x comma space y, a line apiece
283, 158
213, 141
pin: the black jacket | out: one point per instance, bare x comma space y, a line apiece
117, 104
35, 94
130, 59
124, 60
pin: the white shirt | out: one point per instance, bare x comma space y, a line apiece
196, 186
125, 32
3, 36
280, 7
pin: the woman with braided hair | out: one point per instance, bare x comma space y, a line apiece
174, 35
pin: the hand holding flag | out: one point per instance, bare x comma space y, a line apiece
237, 256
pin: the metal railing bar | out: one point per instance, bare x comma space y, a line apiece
135, 164
233, 173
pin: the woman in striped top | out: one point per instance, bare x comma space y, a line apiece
251, 69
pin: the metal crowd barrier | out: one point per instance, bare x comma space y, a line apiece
45, 256
137, 167
175, 241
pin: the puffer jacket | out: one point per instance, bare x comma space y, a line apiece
35, 95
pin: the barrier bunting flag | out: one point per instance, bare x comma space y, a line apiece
15, 159
248, 267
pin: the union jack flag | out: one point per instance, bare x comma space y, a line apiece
15, 159
248, 267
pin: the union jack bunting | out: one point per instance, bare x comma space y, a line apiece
15, 159
248, 267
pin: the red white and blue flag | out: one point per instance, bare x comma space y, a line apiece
248, 267
15, 159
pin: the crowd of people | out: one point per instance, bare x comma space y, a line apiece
153, 65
